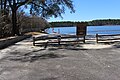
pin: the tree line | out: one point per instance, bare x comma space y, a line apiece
104, 22
100, 22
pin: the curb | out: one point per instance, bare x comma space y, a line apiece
8, 42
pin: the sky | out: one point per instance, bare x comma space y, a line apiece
87, 10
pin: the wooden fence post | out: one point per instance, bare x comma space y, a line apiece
84, 38
46, 44
33, 41
96, 38
59, 39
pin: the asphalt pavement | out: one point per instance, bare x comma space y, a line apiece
23, 61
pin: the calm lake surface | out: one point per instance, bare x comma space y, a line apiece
91, 30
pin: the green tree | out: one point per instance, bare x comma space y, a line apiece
44, 8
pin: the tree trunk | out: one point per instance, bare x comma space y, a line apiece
15, 29
1, 4
5, 3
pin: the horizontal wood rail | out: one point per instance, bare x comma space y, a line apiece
101, 37
110, 35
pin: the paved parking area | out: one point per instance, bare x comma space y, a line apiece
23, 61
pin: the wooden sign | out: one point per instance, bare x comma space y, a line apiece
81, 29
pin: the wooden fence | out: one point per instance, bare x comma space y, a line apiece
108, 37
57, 39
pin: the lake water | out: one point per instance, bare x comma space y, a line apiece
91, 30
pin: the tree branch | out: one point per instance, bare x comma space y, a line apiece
39, 6
22, 3
9, 1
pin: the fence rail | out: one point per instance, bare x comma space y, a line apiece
112, 37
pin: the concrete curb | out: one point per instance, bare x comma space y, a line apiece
8, 42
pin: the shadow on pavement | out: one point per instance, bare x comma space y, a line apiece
52, 47
31, 57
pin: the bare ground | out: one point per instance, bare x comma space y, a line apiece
23, 61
